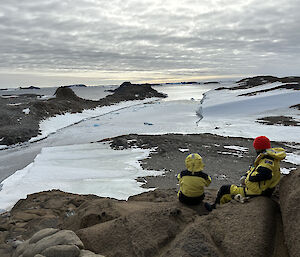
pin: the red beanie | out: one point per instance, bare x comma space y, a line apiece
261, 143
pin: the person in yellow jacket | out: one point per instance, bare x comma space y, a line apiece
260, 179
192, 181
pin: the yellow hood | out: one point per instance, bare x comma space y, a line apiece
194, 163
276, 153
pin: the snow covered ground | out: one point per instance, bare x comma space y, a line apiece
226, 113
70, 162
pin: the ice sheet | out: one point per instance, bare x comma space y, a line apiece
84, 169
75, 165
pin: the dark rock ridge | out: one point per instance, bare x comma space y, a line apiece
137, 90
155, 224
279, 120
297, 106
211, 82
16, 126
31, 87
260, 80
284, 86
76, 85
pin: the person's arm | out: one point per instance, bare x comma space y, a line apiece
260, 174
208, 181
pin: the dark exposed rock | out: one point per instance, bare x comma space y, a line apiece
31, 87
66, 93
261, 80
76, 85
290, 208
285, 86
279, 120
211, 82
17, 127
297, 106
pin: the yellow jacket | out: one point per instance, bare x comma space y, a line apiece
265, 173
192, 183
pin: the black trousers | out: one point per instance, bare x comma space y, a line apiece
190, 200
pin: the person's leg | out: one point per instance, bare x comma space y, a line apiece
268, 192
190, 200
225, 195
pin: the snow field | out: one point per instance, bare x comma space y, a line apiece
73, 164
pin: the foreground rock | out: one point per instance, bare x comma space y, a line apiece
53, 243
290, 208
152, 224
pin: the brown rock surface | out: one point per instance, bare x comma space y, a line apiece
156, 224
290, 208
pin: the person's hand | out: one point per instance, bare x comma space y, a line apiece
242, 179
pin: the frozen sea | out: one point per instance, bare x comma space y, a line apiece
69, 157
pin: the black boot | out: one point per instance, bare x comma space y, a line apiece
209, 207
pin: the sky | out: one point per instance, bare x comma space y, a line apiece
97, 42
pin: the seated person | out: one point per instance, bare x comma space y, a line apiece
192, 181
260, 179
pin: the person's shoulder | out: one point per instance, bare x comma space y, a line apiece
203, 175
185, 173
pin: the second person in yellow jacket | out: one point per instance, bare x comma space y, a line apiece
260, 179
192, 181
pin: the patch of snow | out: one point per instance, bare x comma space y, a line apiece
14, 104
83, 169
26, 111
231, 153
220, 176
237, 148
286, 171
46, 97
183, 150
184, 92
293, 158
53, 124
9, 96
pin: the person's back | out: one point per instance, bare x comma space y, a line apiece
192, 181
264, 175
260, 179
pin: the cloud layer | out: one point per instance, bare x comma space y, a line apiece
149, 39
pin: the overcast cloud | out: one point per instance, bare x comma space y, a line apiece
102, 42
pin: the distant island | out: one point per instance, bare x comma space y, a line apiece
76, 85
31, 87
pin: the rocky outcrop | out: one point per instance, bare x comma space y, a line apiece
53, 243
231, 230
143, 233
290, 208
135, 91
289, 83
260, 80
55, 223
66, 93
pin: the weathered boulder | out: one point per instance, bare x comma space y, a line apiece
86, 253
47, 245
290, 208
233, 229
92, 213
62, 251
142, 233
